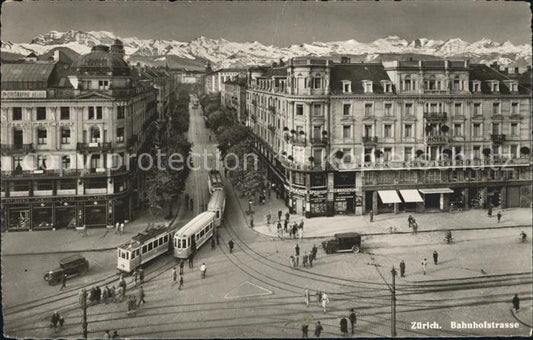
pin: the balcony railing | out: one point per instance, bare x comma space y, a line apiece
319, 141
369, 140
94, 147
497, 139
435, 115
17, 148
437, 140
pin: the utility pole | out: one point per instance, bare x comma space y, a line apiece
393, 303
84, 312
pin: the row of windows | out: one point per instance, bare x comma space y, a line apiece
95, 161
94, 112
42, 135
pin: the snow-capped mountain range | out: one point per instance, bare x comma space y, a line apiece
223, 53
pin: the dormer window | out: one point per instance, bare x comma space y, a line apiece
494, 85
367, 85
408, 84
476, 86
387, 86
512, 85
346, 86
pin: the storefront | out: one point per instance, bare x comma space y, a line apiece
42, 216
388, 201
436, 198
65, 215
316, 205
95, 214
411, 200
18, 217
344, 199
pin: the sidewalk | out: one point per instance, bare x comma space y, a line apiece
65, 241
431, 221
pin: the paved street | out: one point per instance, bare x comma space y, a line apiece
254, 292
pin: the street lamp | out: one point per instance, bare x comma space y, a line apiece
250, 206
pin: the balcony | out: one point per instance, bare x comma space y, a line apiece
94, 147
298, 141
11, 149
437, 140
319, 141
369, 140
497, 139
435, 116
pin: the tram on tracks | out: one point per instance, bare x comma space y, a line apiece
143, 248
214, 181
217, 204
194, 234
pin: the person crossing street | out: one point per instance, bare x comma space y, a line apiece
353, 319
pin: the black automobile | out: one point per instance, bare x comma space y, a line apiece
343, 242
72, 265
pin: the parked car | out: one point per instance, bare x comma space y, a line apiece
343, 242
72, 265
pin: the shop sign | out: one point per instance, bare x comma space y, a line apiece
358, 201
317, 198
342, 196
344, 190
23, 94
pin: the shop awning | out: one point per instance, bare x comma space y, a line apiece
389, 196
410, 196
436, 191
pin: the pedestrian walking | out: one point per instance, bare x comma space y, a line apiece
306, 297
217, 236
318, 297
325, 301
489, 210
212, 243
435, 257
311, 258
115, 335
297, 250
141, 276
499, 216
371, 215
344, 326
174, 275
63, 281
268, 217
181, 282
203, 269
230, 245
252, 222
402, 269
516, 303
182, 264
107, 335
121, 228
415, 226
141, 296
353, 319
304, 259
287, 215
191, 260
292, 261
105, 294
318, 329
285, 224
305, 330
56, 321
279, 215
314, 251
410, 220
117, 227
135, 276
424, 265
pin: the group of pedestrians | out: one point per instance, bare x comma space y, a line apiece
424, 264
119, 228
108, 335
352, 318
307, 260
413, 224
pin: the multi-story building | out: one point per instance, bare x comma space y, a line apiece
214, 80
233, 97
347, 138
70, 133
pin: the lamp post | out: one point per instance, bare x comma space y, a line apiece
250, 207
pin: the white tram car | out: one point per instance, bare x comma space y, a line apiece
196, 232
142, 248
217, 204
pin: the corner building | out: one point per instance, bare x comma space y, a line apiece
348, 138
70, 132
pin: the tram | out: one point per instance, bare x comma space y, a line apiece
214, 181
194, 234
142, 248
217, 204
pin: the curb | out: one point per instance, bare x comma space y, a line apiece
402, 232
83, 250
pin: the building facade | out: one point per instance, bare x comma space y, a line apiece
214, 80
233, 97
348, 138
70, 133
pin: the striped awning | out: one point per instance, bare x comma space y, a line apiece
436, 191
389, 196
411, 196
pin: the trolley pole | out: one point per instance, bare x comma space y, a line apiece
393, 303
84, 312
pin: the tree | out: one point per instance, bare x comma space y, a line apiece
228, 136
247, 176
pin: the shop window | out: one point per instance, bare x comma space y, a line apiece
17, 113
41, 113
65, 113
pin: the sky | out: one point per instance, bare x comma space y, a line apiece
276, 23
